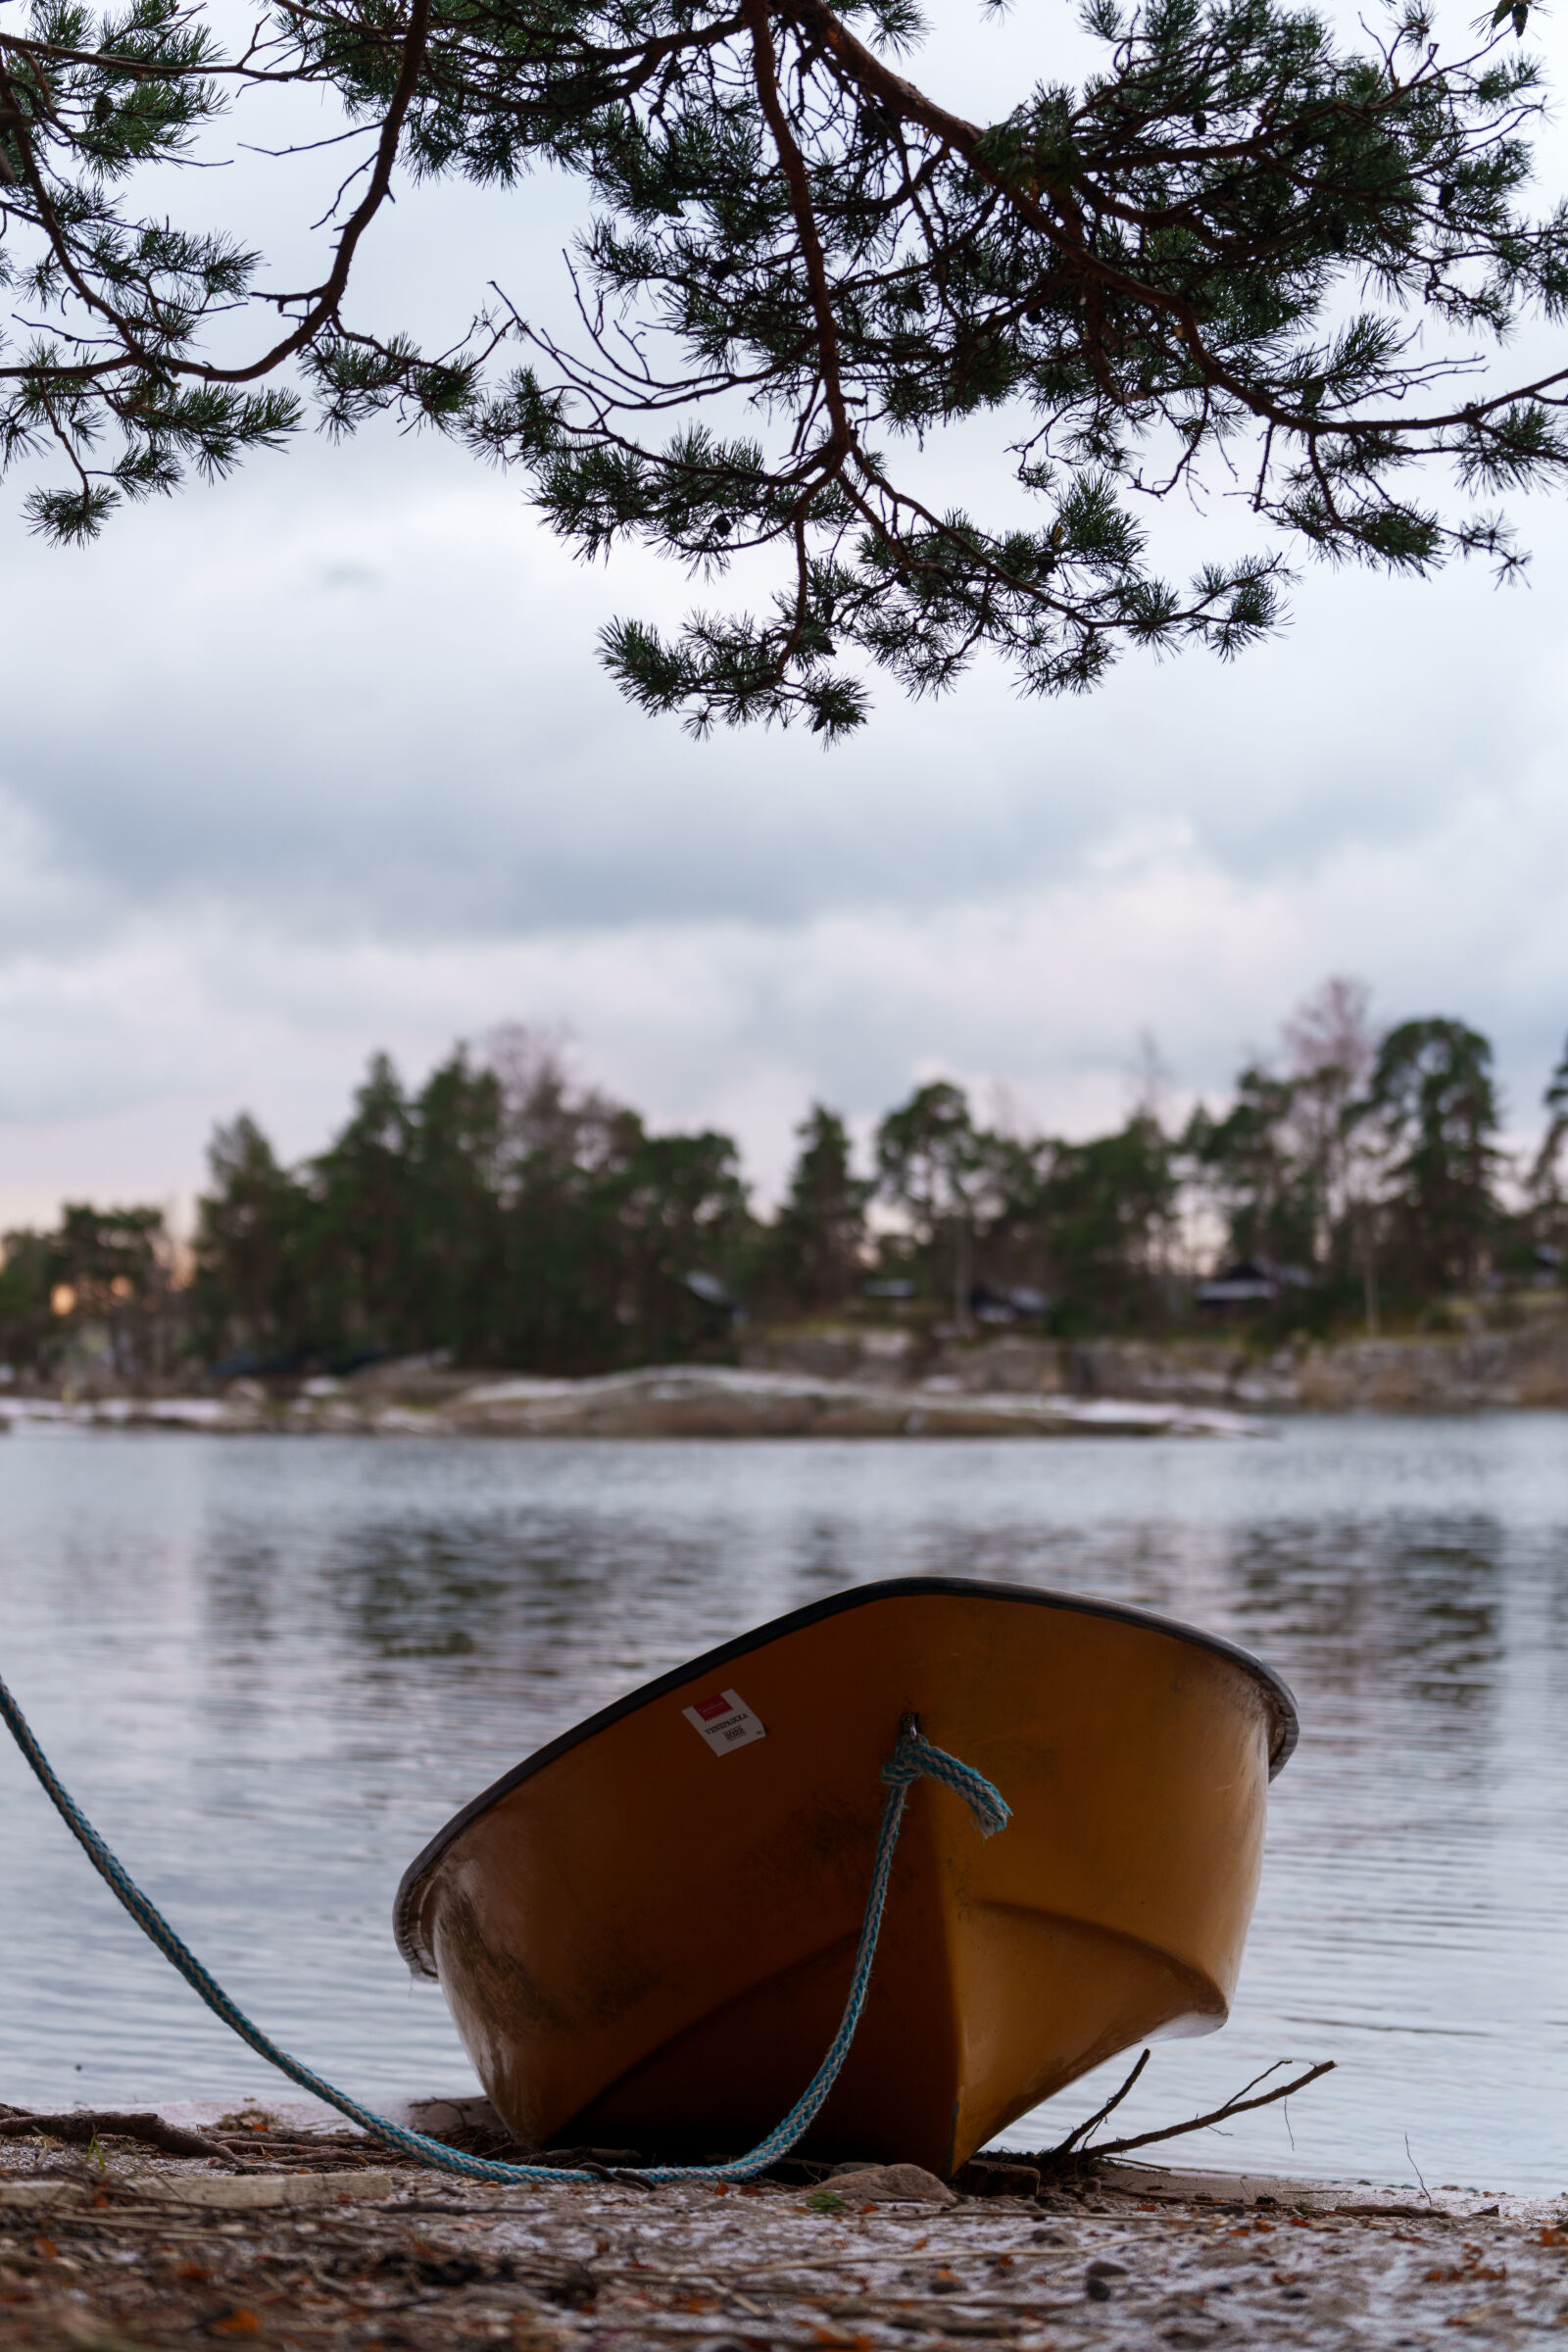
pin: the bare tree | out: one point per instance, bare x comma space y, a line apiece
548, 1116
1330, 1047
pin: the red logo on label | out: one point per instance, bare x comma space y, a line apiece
710, 1709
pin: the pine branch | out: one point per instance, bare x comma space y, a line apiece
1209, 267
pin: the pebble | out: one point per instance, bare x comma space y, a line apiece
890, 2184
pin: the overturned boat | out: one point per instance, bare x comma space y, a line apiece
646, 1932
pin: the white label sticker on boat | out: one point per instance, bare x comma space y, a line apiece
726, 1721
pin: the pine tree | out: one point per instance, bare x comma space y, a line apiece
1545, 1177
251, 1235
1544, 1185
1108, 1207
931, 1161
1260, 1181
1434, 1098
1238, 250
814, 1254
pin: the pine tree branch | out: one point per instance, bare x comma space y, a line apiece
759, 26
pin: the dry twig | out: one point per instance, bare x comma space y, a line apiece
1081, 2131
1220, 2115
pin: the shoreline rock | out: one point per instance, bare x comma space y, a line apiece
1462, 1371
869, 1381
684, 1400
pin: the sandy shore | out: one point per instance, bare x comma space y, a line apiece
322, 2239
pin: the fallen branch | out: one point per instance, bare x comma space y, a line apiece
1058, 2154
315, 2151
1220, 2115
81, 2127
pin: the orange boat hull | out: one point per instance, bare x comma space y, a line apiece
647, 1944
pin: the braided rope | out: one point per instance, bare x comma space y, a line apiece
913, 1758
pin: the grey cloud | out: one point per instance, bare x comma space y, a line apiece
353, 698
322, 760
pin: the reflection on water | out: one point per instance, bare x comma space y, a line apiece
271, 1668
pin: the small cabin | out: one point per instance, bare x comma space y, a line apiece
1251, 1282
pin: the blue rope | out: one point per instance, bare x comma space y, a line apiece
913, 1758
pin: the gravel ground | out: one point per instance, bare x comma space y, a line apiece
329, 2242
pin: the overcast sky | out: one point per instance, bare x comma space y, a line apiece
321, 761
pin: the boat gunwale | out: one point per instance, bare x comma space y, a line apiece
1282, 1746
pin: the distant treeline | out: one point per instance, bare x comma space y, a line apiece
504, 1215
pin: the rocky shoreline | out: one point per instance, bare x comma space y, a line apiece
870, 1380
684, 1400
305, 2235
1470, 1370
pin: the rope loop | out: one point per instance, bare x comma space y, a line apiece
916, 1758
913, 1758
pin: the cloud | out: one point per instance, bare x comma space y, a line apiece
738, 1022
349, 697
322, 760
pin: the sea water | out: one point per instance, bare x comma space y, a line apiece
269, 1668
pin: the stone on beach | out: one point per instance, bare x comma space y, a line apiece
891, 2185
